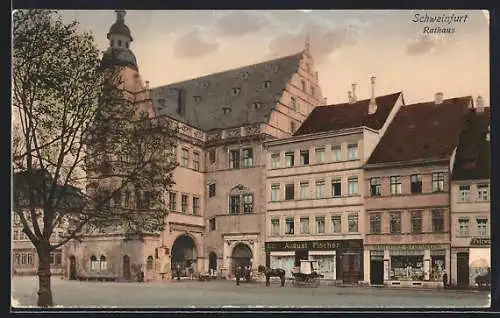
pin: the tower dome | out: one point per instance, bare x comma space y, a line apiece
119, 53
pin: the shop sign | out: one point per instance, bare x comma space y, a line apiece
327, 245
418, 247
476, 241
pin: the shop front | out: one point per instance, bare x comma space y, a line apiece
340, 260
411, 265
471, 265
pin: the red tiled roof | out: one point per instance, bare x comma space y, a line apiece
342, 116
423, 131
473, 158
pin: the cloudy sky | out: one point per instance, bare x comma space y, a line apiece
348, 47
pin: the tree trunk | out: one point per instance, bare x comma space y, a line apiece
44, 289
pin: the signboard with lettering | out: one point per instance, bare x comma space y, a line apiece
410, 247
477, 241
325, 245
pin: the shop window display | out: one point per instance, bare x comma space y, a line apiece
404, 268
437, 265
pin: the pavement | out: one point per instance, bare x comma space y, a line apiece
189, 294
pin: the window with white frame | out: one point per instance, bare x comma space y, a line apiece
438, 182
320, 224
352, 183
463, 226
275, 227
275, 189
289, 159
196, 206
395, 222
247, 157
248, 203
184, 203
352, 152
234, 159
320, 155
352, 221
395, 182
375, 223
275, 160
336, 223
196, 161
184, 157
482, 227
320, 189
172, 203
234, 204
94, 264
304, 190
483, 192
337, 153
304, 225
464, 192
103, 264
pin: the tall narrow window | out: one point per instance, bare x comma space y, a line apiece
304, 190
211, 155
352, 220
303, 83
234, 159
438, 220
320, 155
352, 152
184, 158
184, 203
416, 221
196, 161
336, 223
304, 157
103, 264
395, 222
375, 187
247, 157
320, 189
464, 191
482, 227
395, 185
483, 192
352, 183
94, 264
247, 203
337, 153
416, 183
438, 182
275, 160
212, 224
275, 188
234, 204
320, 224
275, 227
289, 226
289, 191
211, 190
293, 103
289, 159
304, 225
336, 187
375, 223
196, 206
463, 226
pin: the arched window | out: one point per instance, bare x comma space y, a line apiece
103, 263
94, 265
149, 263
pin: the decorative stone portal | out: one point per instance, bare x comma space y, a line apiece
241, 256
184, 256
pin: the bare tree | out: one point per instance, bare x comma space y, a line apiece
81, 129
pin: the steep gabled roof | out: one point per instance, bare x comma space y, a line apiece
473, 158
206, 97
423, 131
346, 115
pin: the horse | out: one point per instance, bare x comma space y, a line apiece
242, 272
272, 272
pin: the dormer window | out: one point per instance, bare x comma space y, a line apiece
226, 110
276, 68
203, 84
244, 75
235, 91
257, 105
196, 99
267, 84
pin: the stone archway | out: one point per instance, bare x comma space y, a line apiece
184, 255
241, 256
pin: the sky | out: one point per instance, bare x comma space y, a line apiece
348, 46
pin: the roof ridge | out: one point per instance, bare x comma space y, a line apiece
359, 101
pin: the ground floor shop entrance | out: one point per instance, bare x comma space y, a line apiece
377, 268
463, 269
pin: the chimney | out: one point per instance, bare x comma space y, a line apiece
349, 97
479, 104
372, 107
354, 98
325, 101
438, 98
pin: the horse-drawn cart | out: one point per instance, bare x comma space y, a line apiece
305, 275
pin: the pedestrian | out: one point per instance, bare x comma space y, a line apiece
445, 279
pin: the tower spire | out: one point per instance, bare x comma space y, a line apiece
120, 15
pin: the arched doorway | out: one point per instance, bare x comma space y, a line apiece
72, 267
126, 267
212, 262
242, 256
183, 255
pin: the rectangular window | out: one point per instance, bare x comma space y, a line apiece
248, 203
320, 189
304, 225
196, 161
293, 103
211, 190
211, 224
289, 191
30, 259
17, 259
211, 155
320, 224
289, 156
234, 204
172, 202
395, 185
184, 203
275, 188
234, 159
463, 226
375, 187
352, 220
247, 157
352, 152
336, 223
482, 227
336, 187
275, 227
395, 222
289, 226
438, 220
337, 153
15, 235
275, 160
304, 190
352, 183
438, 182
196, 206
184, 157
375, 223
320, 155
304, 157
416, 221
483, 192
464, 191
416, 183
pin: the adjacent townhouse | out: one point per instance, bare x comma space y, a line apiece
470, 201
314, 192
407, 194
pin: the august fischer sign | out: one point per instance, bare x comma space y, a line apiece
480, 241
313, 245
